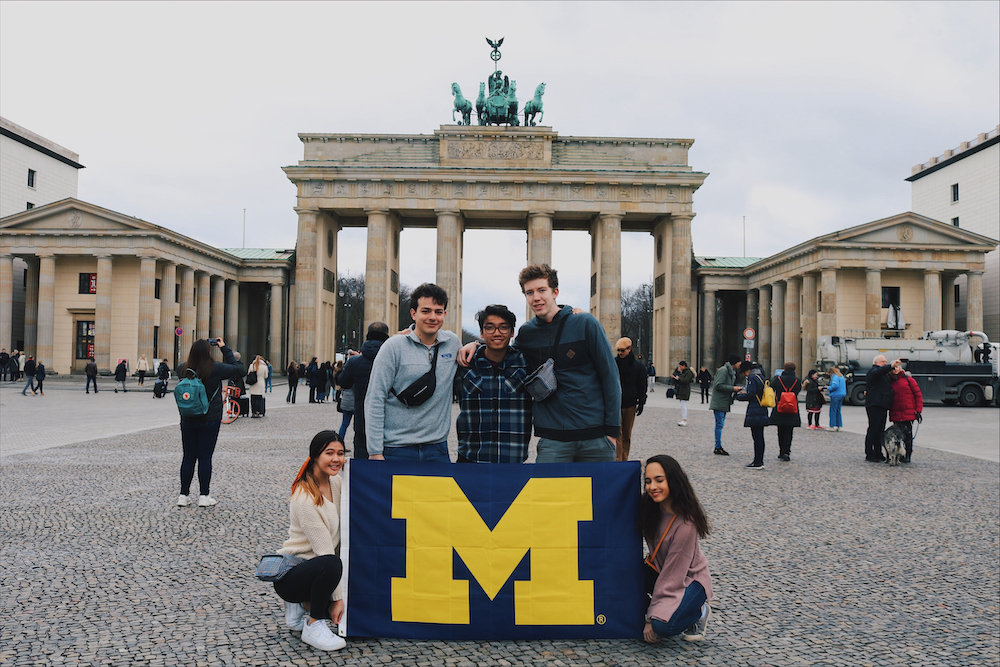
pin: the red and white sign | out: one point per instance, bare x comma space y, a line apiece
749, 333
178, 331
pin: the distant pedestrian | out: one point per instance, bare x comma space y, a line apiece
142, 367
878, 400
632, 377
757, 416
814, 399
259, 369
704, 379
907, 405
29, 373
355, 377
121, 372
90, 370
838, 392
22, 360
4, 363
40, 378
724, 389
312, 377
651, 372
293, 381
683, 377
268, 385
163, 376
786, 422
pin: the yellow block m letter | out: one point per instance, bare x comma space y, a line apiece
543, 519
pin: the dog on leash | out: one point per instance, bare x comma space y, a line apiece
894, 445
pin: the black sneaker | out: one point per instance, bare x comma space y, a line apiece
755, 466
784, 457
721, 452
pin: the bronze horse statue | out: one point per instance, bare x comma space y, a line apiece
534, 106
462, 105
481, 104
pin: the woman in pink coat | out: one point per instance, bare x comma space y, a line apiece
907, 405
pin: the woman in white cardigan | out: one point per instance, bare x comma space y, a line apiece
258, 366
311, 590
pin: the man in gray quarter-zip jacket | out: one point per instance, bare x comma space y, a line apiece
417, 433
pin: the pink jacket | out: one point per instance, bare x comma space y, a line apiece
907, 400
680, 561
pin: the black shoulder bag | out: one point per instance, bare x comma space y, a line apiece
423, 387
541, 383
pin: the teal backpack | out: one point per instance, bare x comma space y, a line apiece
190, 395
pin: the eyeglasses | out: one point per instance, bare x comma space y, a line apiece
503, 328
623, 349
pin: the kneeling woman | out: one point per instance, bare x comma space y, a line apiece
672, 521
311, 589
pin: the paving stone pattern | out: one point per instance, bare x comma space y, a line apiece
826, 560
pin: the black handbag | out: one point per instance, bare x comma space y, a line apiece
542, 383
422, 388
252, 377
650, 570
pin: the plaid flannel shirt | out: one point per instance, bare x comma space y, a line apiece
494, 425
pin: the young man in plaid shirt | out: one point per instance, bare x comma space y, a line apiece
494, 425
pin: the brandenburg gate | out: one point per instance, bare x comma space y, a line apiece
492, 177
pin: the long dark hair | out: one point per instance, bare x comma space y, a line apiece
200, 359
305, 479
682, 499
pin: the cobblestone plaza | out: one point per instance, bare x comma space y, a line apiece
824, 560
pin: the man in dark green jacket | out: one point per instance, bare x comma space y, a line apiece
724, 389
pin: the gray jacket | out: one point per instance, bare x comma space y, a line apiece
400, 361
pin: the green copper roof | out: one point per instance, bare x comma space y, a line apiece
259, 253
727, 262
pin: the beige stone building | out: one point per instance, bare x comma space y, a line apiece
109, 285
870, 278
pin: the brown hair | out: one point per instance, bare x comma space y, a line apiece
790, 366
536, 271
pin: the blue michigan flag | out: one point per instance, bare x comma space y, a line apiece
438, 551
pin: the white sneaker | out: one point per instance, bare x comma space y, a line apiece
206, 501
696, 632
319, 635
295, 616
183, 501
682, 422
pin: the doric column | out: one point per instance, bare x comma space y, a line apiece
276, 339
47, 308
203, 304
778, 324
147, 307
680, 289
31, 305
217, 317
764, 329
187, 312
793, 331
540, 237
708, 330
7, 302
974, 301
751, 318
828, 309
450, 228
606, 273
308, 283
168, 309
873, 300
381, 264
232, 311
808, 319
102, 313
932, 300
948, 301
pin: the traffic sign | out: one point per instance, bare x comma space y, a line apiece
749, 344
178, 331
748, 356
749, 333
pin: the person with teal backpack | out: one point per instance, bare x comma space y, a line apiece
198, 395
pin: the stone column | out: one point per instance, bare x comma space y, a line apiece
708, 330
540, 237
308, 279
378, 292
948, 301
680, 289
932, 300
147, 307
31, 305
217, 316
47, 308
203, 304
102, 313
808, 319
168, 282
450, 228
764, 329
606, 265
752, 322
7, 302
873, 300
828, 309
232, 311
793, 320
974, 301
187, 312
277, 341
778, 324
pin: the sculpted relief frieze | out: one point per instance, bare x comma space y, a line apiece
495, 150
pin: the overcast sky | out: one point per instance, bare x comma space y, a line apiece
807, 116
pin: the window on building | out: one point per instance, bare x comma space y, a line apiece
156, 342
84, 339
177, 292
958, 295
88, 283
31, 178
329, 280
890, 297
28, 206
156, 289
954, 191
819, 301
954, 221
24, 279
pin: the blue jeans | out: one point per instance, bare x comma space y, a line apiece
687, 613
198, 438
433, 452
575, 451
267, 384
89, 380
720, 421
835, 418
30, 384
344, 423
